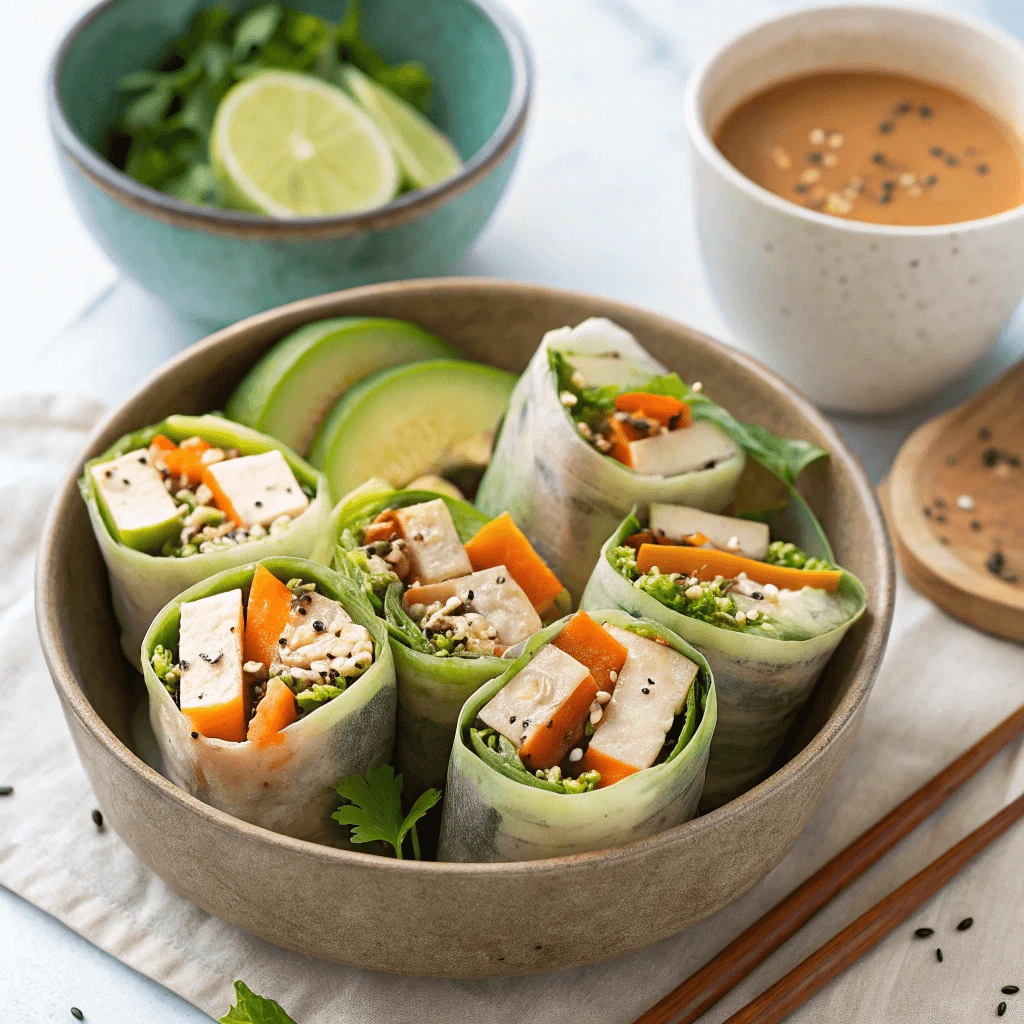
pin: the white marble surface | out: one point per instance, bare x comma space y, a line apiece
600, 203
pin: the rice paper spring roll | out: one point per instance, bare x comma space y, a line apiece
595, 426
456, 590
763, 602
598, 734
267, 683
192, 496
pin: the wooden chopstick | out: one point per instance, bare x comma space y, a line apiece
795, 988
684, 1004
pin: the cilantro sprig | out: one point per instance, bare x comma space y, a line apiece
374, 809
162, 131
250, 1008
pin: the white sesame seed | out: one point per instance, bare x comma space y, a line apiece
966, 502
810, 175
696, 386
211, 455
781, 158
578, 379
770, 590
568, 398
733, 544
907, 179
596, 716
741, 618
830, 159
603, 696
613, 676
817, 137
915, 191
752, 615
692, 593
575, 754
835, 140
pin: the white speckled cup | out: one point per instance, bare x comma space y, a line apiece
861, 317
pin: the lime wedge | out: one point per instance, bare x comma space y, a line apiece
289, 145
424, 154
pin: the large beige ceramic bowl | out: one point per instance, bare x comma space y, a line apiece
454, 919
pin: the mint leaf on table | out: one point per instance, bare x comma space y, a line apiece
375, 809
250, 1008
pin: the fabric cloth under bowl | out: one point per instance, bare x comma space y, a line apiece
941, 687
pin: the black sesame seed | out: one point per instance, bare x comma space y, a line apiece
995, 563
935, 151
757, 595
302, 611
885, 197
500, 579
318, 626
938, 955
282, 642
195, 735
982, 168
469, 595
985, 434
77, 1013
1013, 461
940, 503
878, 158
914, 264
184, 666
511, 719
903, 108
1009, 990
650, 681
951, 160
801, 189
142, 458
975, 525
258, 504
97, 817
126, 481
927, 511
888, 184
929, 179
925, 111
6, 790
923, 933
644, 689
1001, 1009
885, 127
940, 518
965, 924
814, 158
944, 541
551, 723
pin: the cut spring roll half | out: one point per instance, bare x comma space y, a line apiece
456, 590
765, 613
547, 763
268, 683
191, 496
595, 426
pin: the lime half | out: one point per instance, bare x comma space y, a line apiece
424, 154
289, 145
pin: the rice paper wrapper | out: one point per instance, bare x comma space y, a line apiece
489, 817
287, 787
566, 496
141, 584
431, 690
762, 683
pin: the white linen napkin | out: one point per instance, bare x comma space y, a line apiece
941, 687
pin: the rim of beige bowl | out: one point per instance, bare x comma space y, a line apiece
318, 307
161, 206
700, 138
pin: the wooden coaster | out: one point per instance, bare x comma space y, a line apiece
954, 501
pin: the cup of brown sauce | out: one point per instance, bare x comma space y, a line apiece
859, 180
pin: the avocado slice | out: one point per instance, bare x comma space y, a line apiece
288, 392
404, 422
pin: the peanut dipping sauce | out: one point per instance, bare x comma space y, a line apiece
876, 147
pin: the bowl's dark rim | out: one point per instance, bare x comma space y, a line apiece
170, 210
842, 718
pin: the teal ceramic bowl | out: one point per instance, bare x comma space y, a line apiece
218, 266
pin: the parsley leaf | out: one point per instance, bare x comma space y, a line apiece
375, 809
250, 1008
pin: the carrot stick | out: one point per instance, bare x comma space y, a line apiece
266, 615
274, 713
501, 542
611, 768
584, 640
706, 564
621, 434
668, 411
220, 499
549, 744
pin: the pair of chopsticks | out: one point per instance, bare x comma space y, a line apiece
723, 972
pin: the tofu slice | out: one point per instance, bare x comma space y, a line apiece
652, 689
542, 710
431, 542
318, 629
134, 502
491, 592
674, 522
212, 693
256, 489
598, 371
681, 451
